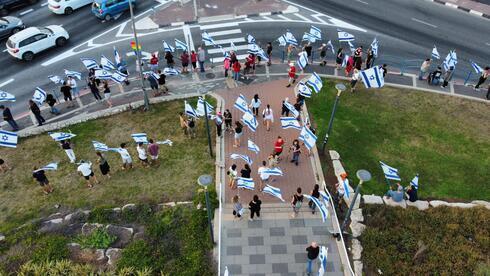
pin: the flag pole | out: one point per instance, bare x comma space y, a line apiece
207, 125
340, 87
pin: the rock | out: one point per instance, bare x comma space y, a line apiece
169, 204
372, 199
55, 216
129, 207
184, 202
2, 237
100, 254
358, 268
356, 249
123, 235
334, 155
437, 203
113, 255
357, 228
390, 202
356, 215
88, 228
338, 168
419, 204
116, 210
86, 212
78, 216
89, 255
486, 204
73, 229
51, 225
462, 205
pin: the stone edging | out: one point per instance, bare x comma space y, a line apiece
449, 4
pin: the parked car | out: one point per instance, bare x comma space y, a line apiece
108, 9
67, 6
10, 25
8, 5
26, 43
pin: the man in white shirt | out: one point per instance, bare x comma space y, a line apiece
126, 158
74, 88
85, 169
264, 177
142, 154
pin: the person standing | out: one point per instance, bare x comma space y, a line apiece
161, 83
218, 120
85, 169
154, 62
7, 116
238, 134
349, 65
94, 89
236, 70
295, 148
184, 58
289, 52
107, 93
358, 58
291, 74
339, 58
226, 66
369, 58
296, 202
104, 167
312, 253
354, 79
246, 171
284, 108
126, 157
123, 68
384, 69
308, 49
43, 181
153, 84
228, 120
191, 127
232, 175
74, 88
51, 101
194, 60
37, 112
65, 89
323, 54
269, 53
255, 104
237, 207
483, 77
153, 150
278, 146
448, 75
254, 206
201, 57
268, 117
264, 177
183, 123
424, 68
170, 59
142, 156
316, 194
67, 147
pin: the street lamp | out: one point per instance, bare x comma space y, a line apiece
207, 125
363, 176
340, 87
204, 181
138, 57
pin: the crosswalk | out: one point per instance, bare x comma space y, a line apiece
223, 35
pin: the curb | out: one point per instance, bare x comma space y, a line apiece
448, 4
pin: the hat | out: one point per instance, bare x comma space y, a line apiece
219, 113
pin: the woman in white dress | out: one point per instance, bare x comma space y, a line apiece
255, 104
268, 117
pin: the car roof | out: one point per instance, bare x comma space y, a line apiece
24, 34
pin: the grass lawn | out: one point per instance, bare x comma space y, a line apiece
174, 179
444, 139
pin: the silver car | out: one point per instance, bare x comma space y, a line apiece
10, 25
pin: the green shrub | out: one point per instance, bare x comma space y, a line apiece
103, 214
50, 248
98, 239
137, 255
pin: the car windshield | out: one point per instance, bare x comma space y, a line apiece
45, 30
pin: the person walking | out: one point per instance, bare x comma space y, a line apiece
268, 117
369, 58
153, 84
448, 75
238, 134
184, 58
153, 150
296, 202
85, 169
183, 123
269, 53
170, 59
154, 62
226, 66
191, 127
289, 52
254, 206
107, 93
295, 148
278, 146
126, 157
142, 156
434, 78
37, 112
323, 54
483, 77
201, 57
104, 167
232, 175
358, 58
65, 89
291, 74
162, 87
255, 104
123, 68
312, 253
67, 147
74, 88
264, 177
246, 171
308, 49
316, 194
237, 207
339, 58
236, 70
354, 79
51, 101
9, 118
40, 177
384, 69
94, 89
284, 108
349, 66
424, 68
228, 120
218, 120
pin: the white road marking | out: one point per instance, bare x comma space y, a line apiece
7, 50
188, 37
227, 32
217, 26
229, 40
302, 17
268, 19
221, 59
44, 4
227, 49
360, 1
423, 22
488, 43
26, 12
284, 17
317, 17
6, 82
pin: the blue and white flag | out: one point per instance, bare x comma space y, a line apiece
374, 47
273, 191
291, 109
140, 138
323, 260
345, 36
180, 45
307, 137
89, 63
107, 63
253, 48
118, 77
304, 90
308, 37
315, 82
316, 32
325, 197
250, 39
451, 60
6, 97
226, 272
117, 57
290, 122
476, 67
415, 182
103, 74
8, 139
352, 48
241, 156
390, 172
171, 71
233, 47
151, 74
282, 40
208, 40
166, 142
330, 45
245, 183
241, 104
435, 53
323, 209
345, 186
302, 60
263, 55
290, 39
73, 74
39, 96
253, 147
345, 61
167, 47
49, 167
373, 77
273, 171
98, 146
61, 136
200, 107
189, 110
249, 119
55, 79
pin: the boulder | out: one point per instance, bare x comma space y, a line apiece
88, 228
437, 203
419, 204
390, 202
100, 254
123, 234
486, 204
90, 255
356, 249
129, 207
78, 216
73, 229
356, 215
113, 255
51, 225
338, 168
462, 205
372, 199
74, 249
358, 268
357, 228
55, 216
334, 155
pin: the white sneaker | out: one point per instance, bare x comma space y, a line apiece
250, 219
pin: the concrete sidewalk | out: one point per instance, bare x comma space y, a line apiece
479, 8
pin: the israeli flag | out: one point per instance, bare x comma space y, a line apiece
241, 104
171, 71
107, 63
330, 45
477, 68
316, 32
253, 48
61, 136
304, 90
345, 36
73, 74
208, 40
325, 197
180, 45
250, 39
249, 119
273, 191
302, 60
241, 156
315, 82
8, 139
291, 109
140, 138
245, 183
200, 107
323, 209
451, 60
89, 63
373, 77
307, 137
253, 147
435, 53
290, 122
352, 48
232, 46
374, 47
415, 182
167, 47
49, 167
308, 37
6, 97
39, 96
323, 260
151, 74
263, 55
117, 57
118, 77
390, 172
166, 142
345, 186
55, 79
98, 146
103, 74
282, 40
274, 171
290, 38
189, 110
345, 61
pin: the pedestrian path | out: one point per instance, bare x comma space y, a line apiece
224, 34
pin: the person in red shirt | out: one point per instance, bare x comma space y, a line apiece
184, 58
292, 74
194, 60
236, 70
154, 62
278, 146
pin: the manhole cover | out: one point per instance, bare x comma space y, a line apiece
210, 76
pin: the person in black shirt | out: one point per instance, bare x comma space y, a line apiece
308, 49
297, 201
246, 171
37, 112
66, 91
269, 52
43, 181
7, 116
316, 194
312, 251
170, 59
369, 58
51, 101
228, 120
161, 82
254, 206
412, 193
284, 108
94, 88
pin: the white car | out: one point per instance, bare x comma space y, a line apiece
26, 43
67, 6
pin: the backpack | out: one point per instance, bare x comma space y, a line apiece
191, 123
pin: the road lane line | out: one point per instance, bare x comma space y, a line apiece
267, 18
360, 1
26, 12
227, 32
6, 82
188, 37
217, 26
44, 4
302, 17
229, 40
284, 17
423, 22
